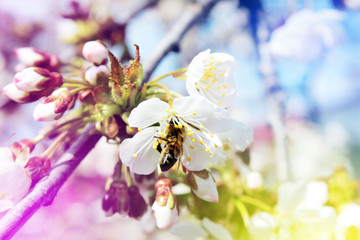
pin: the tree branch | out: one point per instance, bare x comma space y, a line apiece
170, 42
45, 191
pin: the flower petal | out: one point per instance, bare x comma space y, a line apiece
239, 137
216, 230
148, 112
200, 149
197, 109
138, 153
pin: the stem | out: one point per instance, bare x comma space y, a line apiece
192, 15
166, 75
51, 149
243, 212
45, 191
256, 202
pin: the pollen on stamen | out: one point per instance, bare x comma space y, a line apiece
188, 158
224, 86
202, 127
190, 133
201, 142
214, 80
193, 140
207, 150
219, 103
139, 129
218, 87
192, 147
207, 87
215, 145
223, 95
134, 155
212, 154
194, 113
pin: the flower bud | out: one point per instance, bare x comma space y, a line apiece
95, 52
254, 180
12, 92
37, 168
54, 106
203, 185
36, 79
92, 74
30, 57
116, 199
164, 206
137, 203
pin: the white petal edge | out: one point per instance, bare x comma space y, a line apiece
216, 230
148, 112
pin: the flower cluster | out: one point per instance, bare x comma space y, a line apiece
167, 137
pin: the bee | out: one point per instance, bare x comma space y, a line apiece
173, 147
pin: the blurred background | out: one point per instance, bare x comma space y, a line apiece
298, 63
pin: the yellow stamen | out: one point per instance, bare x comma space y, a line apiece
192, 147
224, 86
218, 87
139, 129
201, 142
190, 133
193, 140
207, 150
134, 155
214, 80
188, 158
219, 103
207, 87
223, 95
194, 113
212, 154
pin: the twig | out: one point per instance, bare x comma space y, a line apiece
190, 17
45, 191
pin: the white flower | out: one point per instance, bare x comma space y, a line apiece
306, 34
300, 214
14, 182
349, 217
196, 120
95, 52
210, 75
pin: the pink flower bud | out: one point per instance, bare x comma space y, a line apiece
36, 79
165, 205
92, 73
54, 106
31, 57
12, 92
254, 180
95, 52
